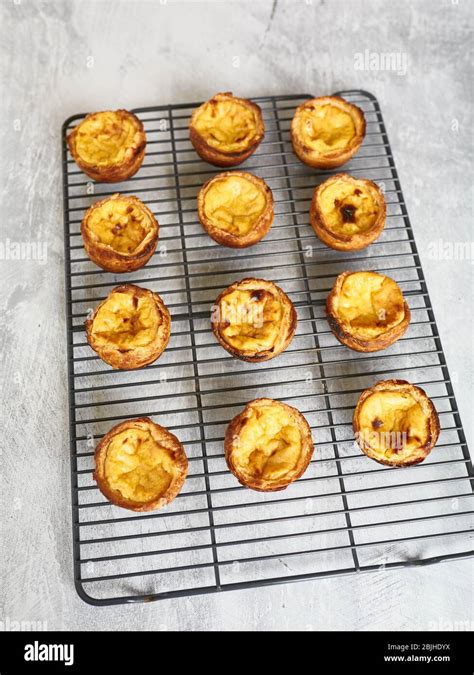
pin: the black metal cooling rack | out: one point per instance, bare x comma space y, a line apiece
347, 513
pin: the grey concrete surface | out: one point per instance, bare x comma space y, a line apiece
59, 58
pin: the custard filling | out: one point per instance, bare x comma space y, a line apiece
269, 444
392, 423
250, 319
120, 224
104, 139
137, 466
234, 204
326, 128
226, 125
370, 304
126, 322
348, 208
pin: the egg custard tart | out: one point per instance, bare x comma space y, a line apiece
108, 146
236, 208
254, 320
347, 213
268, 445
140, 465
120, 233
366, 311
396, 423
130, 328
327, 131
226, 130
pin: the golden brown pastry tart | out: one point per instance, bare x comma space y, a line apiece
327, 131
226, 130
108, 146
236, 208
268, 445
366, 311
140, 465
120, 233
396, 423
130, 328
347, 213
254, 320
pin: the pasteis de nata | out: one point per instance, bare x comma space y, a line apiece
346, 213
140, 465
254, 320
130, 328
396, 423
120, 233
236, 208
108, 146
226, 130
327, 131
366, 311
268, 445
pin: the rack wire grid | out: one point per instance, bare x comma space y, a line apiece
347, 513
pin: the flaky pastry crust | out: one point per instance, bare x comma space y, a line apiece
120, 233
130, 328
268, 445
396, 423
366, 311
254, 320
346, 213
108, 146
236, 208
327, 131
140, 465
226, 130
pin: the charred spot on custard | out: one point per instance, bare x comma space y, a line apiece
348, 213
403, 428
258, 294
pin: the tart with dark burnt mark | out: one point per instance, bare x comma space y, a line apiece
366, 311
254, 320
236, 208
347, 213
396, 423
327, 131
130, 328
226, 130
108, 146
268, 445
140, 465
120, 233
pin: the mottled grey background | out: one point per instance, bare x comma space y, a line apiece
59, 58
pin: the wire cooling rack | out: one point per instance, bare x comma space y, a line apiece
347, 513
